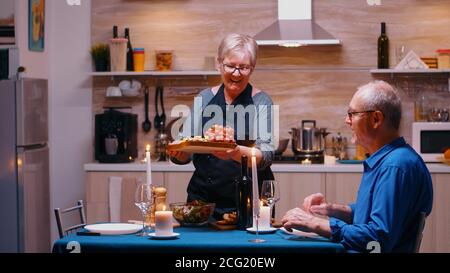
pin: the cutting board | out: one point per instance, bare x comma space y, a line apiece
201, 147
217, 226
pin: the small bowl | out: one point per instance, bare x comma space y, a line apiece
113, 91
130, 88
195, 213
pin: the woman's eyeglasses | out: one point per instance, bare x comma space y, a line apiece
243, 70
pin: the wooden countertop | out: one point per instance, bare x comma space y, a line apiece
277, 167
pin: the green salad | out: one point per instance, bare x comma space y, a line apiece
193, 212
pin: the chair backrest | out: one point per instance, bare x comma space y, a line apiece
419, 234
62, 230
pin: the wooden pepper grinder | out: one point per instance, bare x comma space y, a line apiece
159, 199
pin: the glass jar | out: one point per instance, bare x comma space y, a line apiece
421, 108
443, 58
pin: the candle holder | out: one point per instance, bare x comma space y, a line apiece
256, 240
163, 217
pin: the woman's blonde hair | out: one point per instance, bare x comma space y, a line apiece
238, 43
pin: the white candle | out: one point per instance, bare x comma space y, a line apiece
255, 189
306, 162
163, 223
264, 217
149, 165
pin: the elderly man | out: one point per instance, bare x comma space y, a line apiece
395, 188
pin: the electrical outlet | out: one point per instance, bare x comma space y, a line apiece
373, 2
73, 2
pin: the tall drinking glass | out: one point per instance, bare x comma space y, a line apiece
143, 200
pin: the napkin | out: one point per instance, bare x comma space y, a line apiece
299, 235
115, 197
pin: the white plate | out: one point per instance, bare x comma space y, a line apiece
300, 233
164, 237
262, 231
114, 228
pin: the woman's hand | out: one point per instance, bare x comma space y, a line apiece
179, 156
231, 154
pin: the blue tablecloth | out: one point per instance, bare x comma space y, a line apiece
200, 240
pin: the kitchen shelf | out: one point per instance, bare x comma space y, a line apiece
158, 73
408, 71
424, 72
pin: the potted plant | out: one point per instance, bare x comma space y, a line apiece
100, 56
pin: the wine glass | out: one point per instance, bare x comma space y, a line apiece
257, 239
143, 200
270, 193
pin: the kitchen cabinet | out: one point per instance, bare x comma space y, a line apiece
436, 235
176, 184
294, 187
97, 194
342, 188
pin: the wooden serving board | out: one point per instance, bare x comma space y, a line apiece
221, 227
201, 147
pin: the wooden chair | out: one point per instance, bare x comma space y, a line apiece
419, 233
62, 230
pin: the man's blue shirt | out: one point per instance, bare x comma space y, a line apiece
396, 186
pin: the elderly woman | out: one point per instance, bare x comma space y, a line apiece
216, 174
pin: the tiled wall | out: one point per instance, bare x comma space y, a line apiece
314, 82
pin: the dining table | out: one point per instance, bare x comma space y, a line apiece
203, 239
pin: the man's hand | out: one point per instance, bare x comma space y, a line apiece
315, 199
301, 220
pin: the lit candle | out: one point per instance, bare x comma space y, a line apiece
306, 162
149, 165
264, 217
255, 189
163, 223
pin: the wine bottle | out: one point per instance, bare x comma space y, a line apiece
130, 65
244, 197
115, 32
383, 48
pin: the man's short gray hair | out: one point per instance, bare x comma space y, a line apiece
379, 95
238, 43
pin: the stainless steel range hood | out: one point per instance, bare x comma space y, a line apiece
295, 27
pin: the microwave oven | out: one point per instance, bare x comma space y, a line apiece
9, 62
430, 139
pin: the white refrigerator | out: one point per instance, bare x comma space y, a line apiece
24, 166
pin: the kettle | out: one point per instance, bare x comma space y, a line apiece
308, 138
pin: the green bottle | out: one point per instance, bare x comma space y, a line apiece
383, 48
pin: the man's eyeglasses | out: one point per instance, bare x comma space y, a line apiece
350, 114
243, 70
